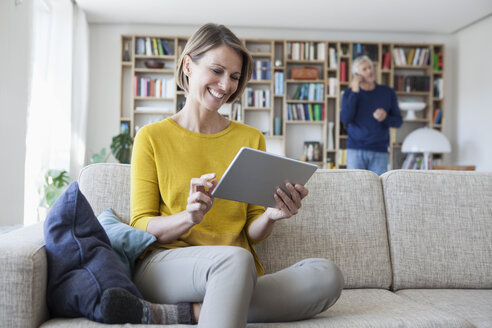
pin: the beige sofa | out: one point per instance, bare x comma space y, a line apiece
415, 248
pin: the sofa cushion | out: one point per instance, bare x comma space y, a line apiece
440, 228
341, 219
127, 242
472, 305
357, 308
81, 263
107, 185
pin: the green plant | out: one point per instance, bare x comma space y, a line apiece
100, 157
121, 147
55, 183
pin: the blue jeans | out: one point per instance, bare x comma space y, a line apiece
374, 161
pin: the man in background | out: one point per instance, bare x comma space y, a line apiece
369, 110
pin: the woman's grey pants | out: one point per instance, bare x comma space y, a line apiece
224, 278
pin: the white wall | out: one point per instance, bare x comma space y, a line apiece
15, 31
474, 99
105, 49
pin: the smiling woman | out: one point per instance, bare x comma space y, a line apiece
176, 165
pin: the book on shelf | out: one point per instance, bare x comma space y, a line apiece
411, 57
236, 111
305, 112
333, 57
343, 71
263, 69
369, 50
159, 88
386, 64
151, 47
437, 61
436, 117
332, 86
438, 88
259, 98
410, 83
279, 82
309, 92
306, 50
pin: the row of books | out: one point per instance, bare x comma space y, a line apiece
309, 91
412, 56
437, 116
259, 98
306, 50
410, 83
415, 162
263, 70
159, 88
152, 47
438, 88
279, 77
369, 50
305, 112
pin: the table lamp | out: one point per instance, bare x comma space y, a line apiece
426, 140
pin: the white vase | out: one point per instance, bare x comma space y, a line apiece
331, 146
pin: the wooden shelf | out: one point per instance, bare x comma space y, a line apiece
304, 122
297, 101
259, 81
263, 118
154, 98
166, 57
154, 70
261, 109
412, 67
299, 81
413, 93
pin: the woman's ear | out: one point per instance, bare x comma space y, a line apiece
187, 65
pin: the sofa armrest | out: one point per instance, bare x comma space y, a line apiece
23, 277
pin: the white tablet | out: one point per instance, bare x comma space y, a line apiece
253, 177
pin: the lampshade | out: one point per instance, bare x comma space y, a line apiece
426, 140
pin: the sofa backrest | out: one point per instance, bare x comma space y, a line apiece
107, 185
440, 228
341, 219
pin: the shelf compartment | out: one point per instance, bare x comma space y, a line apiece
258, 108
294, 101
154, 98
304, 122
169, 57
154, 70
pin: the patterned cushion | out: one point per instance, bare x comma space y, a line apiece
440, 228
341, 219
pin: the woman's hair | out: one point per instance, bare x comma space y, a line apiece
208, 37
358, 61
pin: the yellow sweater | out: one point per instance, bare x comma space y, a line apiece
166, 157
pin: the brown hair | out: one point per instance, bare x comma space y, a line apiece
208, 37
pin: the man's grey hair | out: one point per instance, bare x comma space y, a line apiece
358, 61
